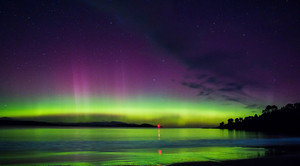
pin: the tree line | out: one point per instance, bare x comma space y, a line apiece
285, 120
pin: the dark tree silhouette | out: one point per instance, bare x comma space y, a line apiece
269, 109
221, 125
272, 119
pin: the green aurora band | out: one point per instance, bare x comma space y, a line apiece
168, 112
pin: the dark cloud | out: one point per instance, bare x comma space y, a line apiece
254, 106
204, 91
201, 76
192, 85
215, 89
234, 99
232, 87
212, 80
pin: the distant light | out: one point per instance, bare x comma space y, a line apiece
158, 126
159, 151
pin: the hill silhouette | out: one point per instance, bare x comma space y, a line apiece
272, 119
5, 121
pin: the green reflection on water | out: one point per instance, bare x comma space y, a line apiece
123, 156
135, 156
117, 134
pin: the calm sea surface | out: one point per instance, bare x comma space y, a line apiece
124, 146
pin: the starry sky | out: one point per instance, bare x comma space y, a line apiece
175, 63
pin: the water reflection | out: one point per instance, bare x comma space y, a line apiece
158, 133
130, 146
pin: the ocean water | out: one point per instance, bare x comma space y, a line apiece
130, 146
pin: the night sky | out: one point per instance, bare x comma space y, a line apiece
175, 63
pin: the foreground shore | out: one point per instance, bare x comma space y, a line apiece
274, 160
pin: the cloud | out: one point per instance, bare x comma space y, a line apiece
212, 80
192, 85
232, 87
229, 98
254, 106
212, 88
203, 90
201, 76
206, 92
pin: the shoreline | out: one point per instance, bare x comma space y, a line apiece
278, 160
275, 156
